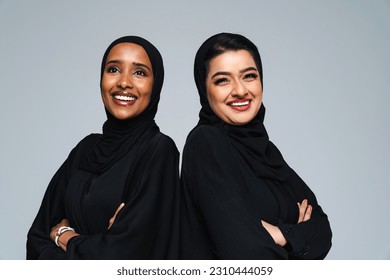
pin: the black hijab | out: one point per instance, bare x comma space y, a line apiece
119, 136
250, 140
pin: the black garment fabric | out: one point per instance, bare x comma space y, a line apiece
232, 178
131, 162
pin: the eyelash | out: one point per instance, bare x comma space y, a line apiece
251, 76
246, 77
140, 72
219, 81
111, 70
137, 72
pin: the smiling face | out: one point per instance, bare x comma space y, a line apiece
127, 81
233, 85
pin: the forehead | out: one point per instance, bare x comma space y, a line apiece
129, 51
231, 60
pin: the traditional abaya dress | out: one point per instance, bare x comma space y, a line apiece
233, 177
131, 162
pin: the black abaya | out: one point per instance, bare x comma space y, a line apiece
146, 228
224, 203
131, 162
233, 177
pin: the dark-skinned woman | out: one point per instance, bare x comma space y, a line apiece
116, 195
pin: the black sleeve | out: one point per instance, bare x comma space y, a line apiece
52, 210
311, 239
215, 188
147, 226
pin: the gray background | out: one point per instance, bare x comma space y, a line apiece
326, 90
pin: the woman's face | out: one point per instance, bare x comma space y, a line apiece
127, 81
234, 89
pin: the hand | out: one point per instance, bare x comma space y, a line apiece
304, 211
112, 220
53, 232
275, 232
64, 237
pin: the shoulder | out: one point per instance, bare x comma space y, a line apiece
159, 154
207, 144
84, 146
163, 145
205, 134
166, 141
206, 137
88, 140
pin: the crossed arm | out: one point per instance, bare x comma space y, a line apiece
305, 211
67, 235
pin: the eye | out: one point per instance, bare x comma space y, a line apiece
112, 69
251, 76
221, 81
140, 72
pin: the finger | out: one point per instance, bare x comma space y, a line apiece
65, 222
308, 213
112, 220
299, 209
266, 226
302, 210
119, 209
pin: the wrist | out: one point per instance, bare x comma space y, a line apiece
60, 232
64, 239
282, 241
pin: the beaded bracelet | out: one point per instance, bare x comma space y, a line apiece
60, 231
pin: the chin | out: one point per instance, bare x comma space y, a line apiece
237, 122
242, 121
122, 117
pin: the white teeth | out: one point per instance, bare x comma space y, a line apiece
240, 103
124, 98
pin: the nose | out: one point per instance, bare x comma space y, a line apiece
124, 81
239, 90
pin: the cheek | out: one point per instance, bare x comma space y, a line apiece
213, 96
107, 83
211, 100
147, 98
256, 90
145, 88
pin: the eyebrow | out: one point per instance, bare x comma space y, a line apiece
141, 65
138, 64
251, 68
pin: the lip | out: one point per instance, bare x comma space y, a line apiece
124, 98
240, 105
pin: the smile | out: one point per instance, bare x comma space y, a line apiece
125, 98
240, 105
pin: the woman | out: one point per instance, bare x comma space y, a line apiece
241, 199
115, 196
